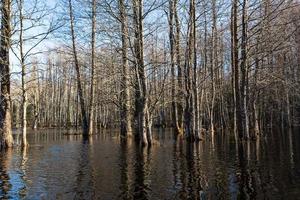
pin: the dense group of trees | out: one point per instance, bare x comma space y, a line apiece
201, 67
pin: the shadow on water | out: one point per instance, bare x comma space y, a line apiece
60, 166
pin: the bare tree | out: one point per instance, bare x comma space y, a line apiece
77, 67
92, 91
125, 117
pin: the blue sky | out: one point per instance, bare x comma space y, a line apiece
44, 45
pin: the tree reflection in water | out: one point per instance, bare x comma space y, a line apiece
5, 185
104, 167
84, 187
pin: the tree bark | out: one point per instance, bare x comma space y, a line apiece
6, 139
125, 116
175, 122
77, 68
23, 77
244, 75
180, 108
235, 70
141, 85
92, 91
214, 65
189, 62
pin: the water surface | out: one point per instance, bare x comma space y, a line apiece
60, 166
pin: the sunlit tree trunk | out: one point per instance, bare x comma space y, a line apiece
23, 77
180, 101
125, 116
6, 139
36, 96
92, 90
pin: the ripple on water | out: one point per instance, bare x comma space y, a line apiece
58, 166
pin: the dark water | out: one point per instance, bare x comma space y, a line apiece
56, 166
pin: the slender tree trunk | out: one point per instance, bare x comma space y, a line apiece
287, 95
173, 78
255, 96
23, 76
214, 65
6, 139
203, 88
36, 111
195, 78
180, 110
17, 122
125, 116
233, 60
77, 68
244, 74
36, 97
92, 92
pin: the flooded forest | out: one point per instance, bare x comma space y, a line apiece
150, 99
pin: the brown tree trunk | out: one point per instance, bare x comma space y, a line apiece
244, 75
189, 62
141, 86
235, 70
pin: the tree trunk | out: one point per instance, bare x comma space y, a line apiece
92, 92
244, 75
214, 65
195, 78
125, 116
77, 68
23, 74
142, 98
173, 78
6, 139
180, 101
189, 63
235, 71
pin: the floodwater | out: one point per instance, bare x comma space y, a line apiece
59, 166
